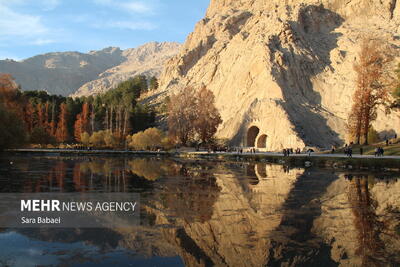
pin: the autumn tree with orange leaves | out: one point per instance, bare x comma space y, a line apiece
193, 115
82, 122
372, 88
12, 132
208, 117
62, 127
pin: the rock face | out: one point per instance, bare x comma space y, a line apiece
282, 71
148, 60
98, 71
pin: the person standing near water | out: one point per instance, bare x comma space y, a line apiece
350, 152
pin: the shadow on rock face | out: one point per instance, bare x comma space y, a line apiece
298, 53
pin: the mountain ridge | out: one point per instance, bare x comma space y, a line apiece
64, 73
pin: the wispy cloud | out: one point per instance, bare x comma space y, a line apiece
41, 41
45, 5
124, 25
132, 25
128, 6
18, 24
137, 7
50, 4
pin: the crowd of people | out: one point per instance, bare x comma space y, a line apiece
289, 151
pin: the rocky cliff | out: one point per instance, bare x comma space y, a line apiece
282, 71
64, 73
148, 60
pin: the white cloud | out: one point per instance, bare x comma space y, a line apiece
50, 4
14, 24
128, 6
42, 4
41, 41
124, 25
137, 7
132, 25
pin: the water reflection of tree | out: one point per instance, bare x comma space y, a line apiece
371, 248
80, 175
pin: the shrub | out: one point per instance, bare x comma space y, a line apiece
85, 138
149, 139
109, 139
97, 139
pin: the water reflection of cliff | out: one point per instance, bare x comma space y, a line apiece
236, 214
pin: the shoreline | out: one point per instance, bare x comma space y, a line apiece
303, 160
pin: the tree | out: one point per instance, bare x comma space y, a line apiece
39, 135
396, 91
78, 129
372, 88
182, 114
82, 122
29, 112
153, 83
62, 127
8, 90
373, 136
12, 132
208, 117
354, 122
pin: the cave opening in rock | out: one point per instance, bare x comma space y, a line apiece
252, 135
262, 141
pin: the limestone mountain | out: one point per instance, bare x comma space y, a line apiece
148, 60
65, 72
282, 71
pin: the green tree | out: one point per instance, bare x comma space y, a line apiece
40, 136
12, 131
153, 83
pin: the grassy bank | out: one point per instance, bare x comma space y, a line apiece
390, 150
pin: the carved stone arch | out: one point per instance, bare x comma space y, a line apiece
262, 141
252, 134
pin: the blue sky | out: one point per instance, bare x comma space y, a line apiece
31, 27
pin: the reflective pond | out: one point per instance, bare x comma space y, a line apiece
210, 213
